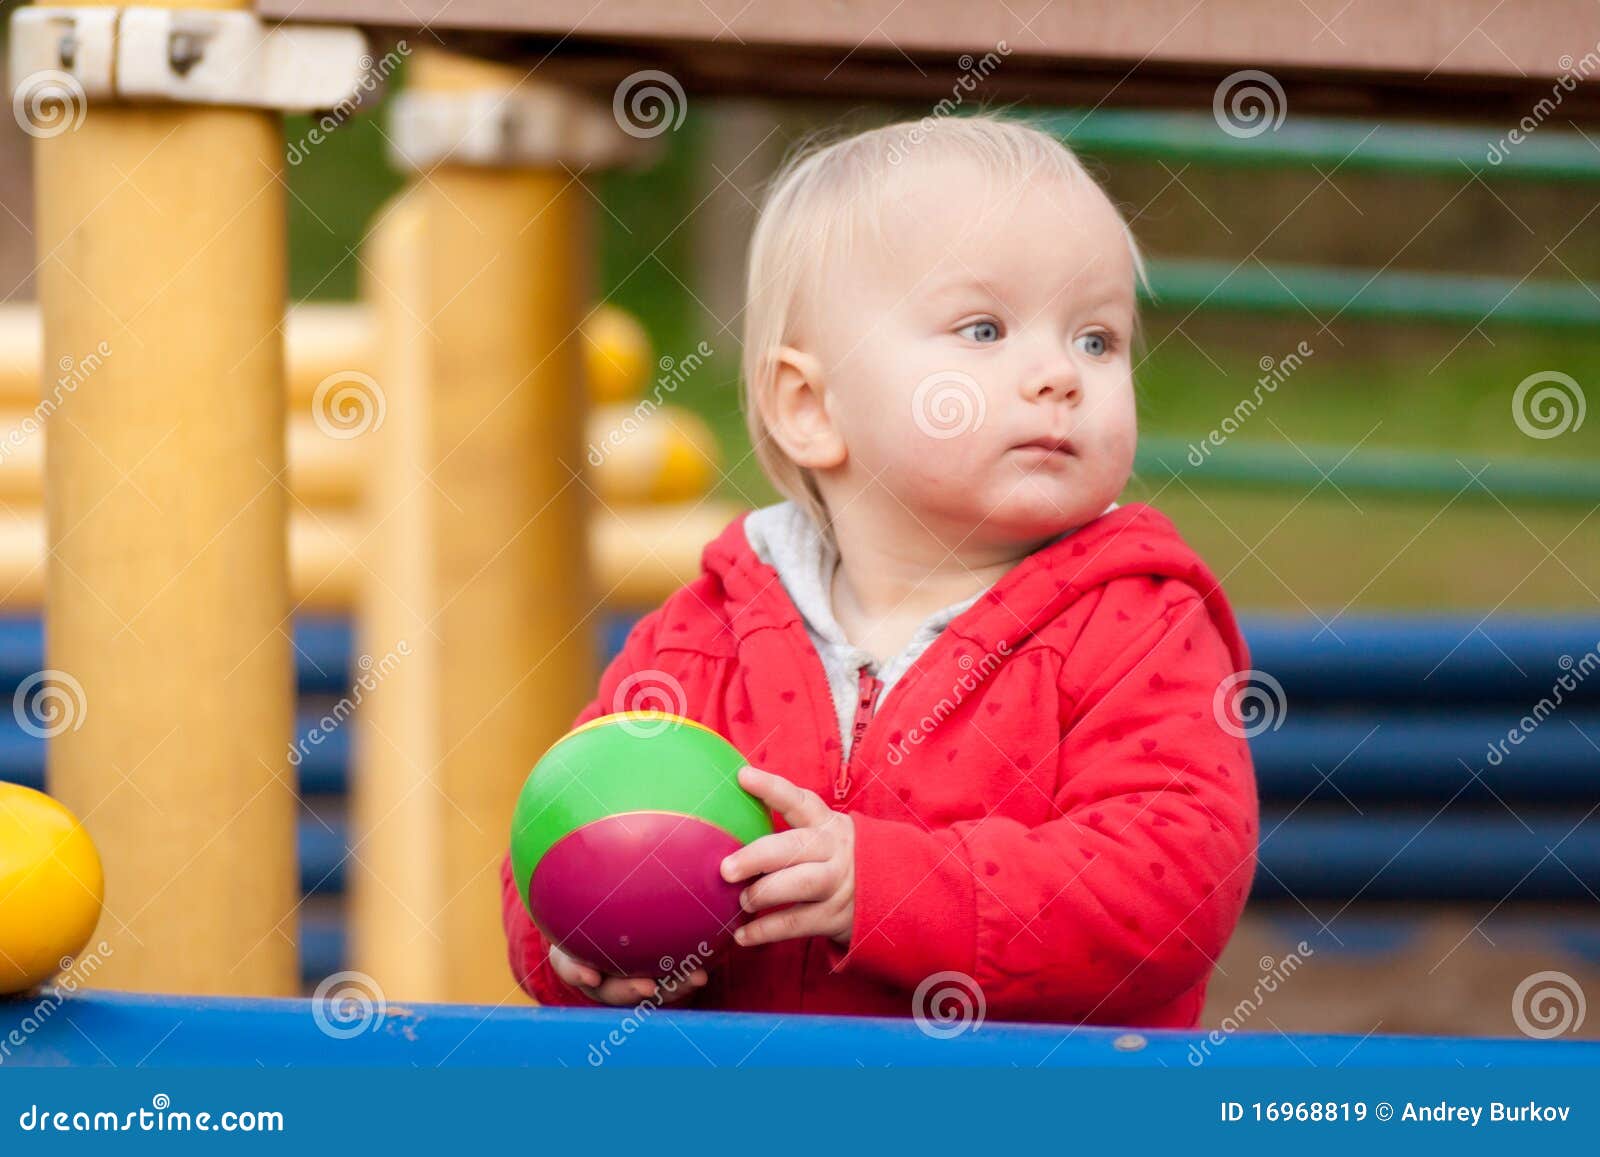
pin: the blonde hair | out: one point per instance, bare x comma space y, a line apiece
820, 197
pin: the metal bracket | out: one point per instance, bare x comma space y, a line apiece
188, 56
531, 127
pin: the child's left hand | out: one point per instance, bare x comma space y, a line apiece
812, 866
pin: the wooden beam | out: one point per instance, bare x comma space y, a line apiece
1472, 58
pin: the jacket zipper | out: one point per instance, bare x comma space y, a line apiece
867, 687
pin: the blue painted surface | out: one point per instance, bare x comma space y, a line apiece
322, 945
1424, 855
1443, 660
321, 651
1317, 756
321, 771
110, 1028
1358, 659
1384, 755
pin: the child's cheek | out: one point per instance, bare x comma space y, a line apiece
934, 467
1121, 443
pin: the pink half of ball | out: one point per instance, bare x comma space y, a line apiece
638, 894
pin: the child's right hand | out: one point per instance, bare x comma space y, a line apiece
620, 990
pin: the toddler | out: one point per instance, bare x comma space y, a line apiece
988, 707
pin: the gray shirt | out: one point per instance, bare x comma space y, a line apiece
785, 538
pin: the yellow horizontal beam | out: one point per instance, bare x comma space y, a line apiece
324, 341
639, 556
664, 455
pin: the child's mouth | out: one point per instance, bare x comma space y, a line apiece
1045, 449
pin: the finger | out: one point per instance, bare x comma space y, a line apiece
769, 853
576, 974
790, 886
790, 924
674, 990
622, 990
798, 807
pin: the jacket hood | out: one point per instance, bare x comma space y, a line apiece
1132, 540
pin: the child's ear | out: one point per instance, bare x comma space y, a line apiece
797, 413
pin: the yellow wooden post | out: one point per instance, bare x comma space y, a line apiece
160, 233
396, 877
507, 614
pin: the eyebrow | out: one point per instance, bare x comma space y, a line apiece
1116, 297
958, 283
1102, 295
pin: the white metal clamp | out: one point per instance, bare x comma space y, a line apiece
531, 126
186, 55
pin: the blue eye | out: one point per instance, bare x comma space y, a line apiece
981, 331
1096, 345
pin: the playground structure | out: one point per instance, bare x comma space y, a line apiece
463, 526
651, 466
331, 349
163, 1032
650, 482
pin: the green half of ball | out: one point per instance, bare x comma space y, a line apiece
633, 761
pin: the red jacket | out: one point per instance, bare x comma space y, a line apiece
1046, 803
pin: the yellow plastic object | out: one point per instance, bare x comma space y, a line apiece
51, 887
616, 353
666, 455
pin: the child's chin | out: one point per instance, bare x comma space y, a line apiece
1042, 514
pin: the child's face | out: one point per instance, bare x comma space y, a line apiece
978, 364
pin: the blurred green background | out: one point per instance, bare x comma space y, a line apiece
1439, 388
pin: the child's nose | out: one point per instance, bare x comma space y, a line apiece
1059, 382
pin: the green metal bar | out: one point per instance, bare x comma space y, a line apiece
1394, 474
1328, 292
1350, 145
